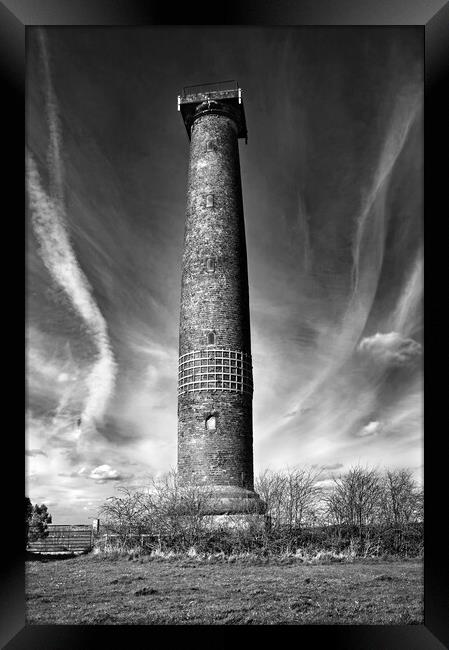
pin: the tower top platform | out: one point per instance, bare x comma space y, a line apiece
210, 98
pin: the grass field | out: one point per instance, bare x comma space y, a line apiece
93, 590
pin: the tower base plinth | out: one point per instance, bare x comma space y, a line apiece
232, 500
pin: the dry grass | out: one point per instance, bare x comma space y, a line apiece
218, 590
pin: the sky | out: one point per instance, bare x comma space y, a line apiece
332, 180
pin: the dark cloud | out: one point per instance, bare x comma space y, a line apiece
35, 452
305, 335
118, 431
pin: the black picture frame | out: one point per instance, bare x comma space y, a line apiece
433, 17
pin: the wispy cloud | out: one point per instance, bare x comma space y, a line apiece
369, 241
304, 234
54, 157
370, 231
405, 417
337, 342
49, 222
407, 317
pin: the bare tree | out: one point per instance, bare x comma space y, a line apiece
270, 485
165, 507
177, 508
361, 501
355, 497
401, 501
300, 496
291, 496
123, 513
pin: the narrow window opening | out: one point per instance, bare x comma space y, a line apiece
210, 264
210, 201
211, 423
211, 338
210, 145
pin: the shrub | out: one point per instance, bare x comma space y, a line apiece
363, 514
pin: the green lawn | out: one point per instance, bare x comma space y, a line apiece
90, 590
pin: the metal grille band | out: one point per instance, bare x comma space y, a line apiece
215, 369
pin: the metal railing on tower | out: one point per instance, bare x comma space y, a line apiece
204, 89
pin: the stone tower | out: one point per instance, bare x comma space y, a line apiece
215, 385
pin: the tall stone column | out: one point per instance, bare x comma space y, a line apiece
215, 385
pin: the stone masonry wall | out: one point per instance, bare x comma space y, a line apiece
220, 457
215, 301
